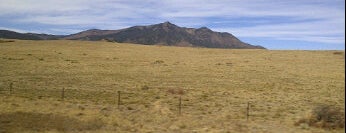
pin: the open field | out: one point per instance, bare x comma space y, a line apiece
215, 86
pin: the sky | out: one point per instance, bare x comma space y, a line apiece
274, 24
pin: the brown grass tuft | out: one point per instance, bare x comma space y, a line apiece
38, 122
145, 87
5, 41
338, 53
178, 91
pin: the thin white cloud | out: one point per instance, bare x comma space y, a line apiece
170, 9
33, 7
62, 30
322, 23
14, 29
248, 8
306, 31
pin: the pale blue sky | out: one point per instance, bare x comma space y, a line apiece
274, 24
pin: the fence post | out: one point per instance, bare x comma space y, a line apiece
247, 111
63, 94
119, 99
11, 87
180, 105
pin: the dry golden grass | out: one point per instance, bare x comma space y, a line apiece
215, 86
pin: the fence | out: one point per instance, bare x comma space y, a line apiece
180, 103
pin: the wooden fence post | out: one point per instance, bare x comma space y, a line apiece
180, 105
11, 88
119, 93
63, 94
248, 111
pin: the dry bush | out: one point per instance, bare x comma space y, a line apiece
158, 62
5, 41
145, 87
325, 116
338, 53
178, 91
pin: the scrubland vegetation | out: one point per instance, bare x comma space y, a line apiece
74, 86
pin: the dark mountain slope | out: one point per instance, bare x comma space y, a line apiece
15, 35
166, 34
158, 34
27, 36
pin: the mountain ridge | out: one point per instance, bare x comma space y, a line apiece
157, 34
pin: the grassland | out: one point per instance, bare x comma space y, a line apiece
215, 86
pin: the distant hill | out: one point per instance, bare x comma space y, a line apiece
27, 36
15, 35
46, 36
159, 34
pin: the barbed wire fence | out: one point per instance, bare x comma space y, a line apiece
179, 103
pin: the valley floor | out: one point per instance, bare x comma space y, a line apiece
74, 86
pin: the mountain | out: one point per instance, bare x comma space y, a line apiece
158, 34
166, 34
92, 35
46, 36
15, 35
27, 36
